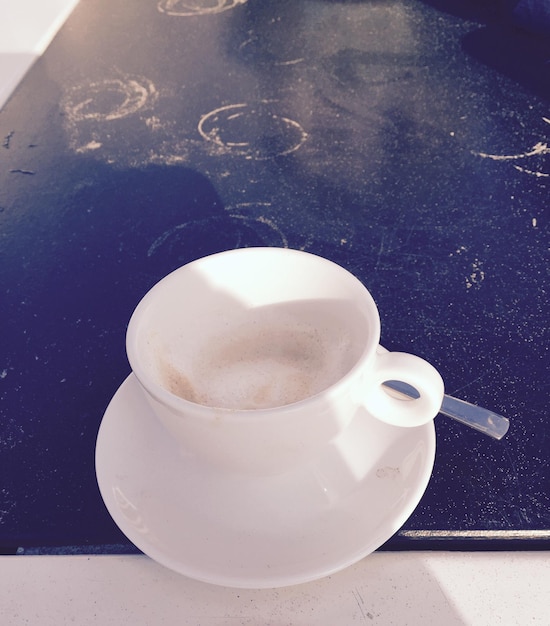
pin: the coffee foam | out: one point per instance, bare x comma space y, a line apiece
262, 365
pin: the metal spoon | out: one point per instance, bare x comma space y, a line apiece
485, 421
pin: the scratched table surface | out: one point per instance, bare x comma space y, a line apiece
405, 140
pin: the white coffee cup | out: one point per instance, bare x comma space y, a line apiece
255, 359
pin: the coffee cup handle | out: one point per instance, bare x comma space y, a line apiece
414, 371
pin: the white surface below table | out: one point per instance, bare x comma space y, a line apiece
417, 588
27, 28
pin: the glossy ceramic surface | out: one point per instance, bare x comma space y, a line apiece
243, 531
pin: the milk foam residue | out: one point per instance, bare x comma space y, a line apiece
262, 367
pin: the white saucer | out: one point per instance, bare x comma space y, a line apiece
243, 531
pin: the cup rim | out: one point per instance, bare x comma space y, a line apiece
179, 404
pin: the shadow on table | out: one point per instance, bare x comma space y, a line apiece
513, 38
522, 56
97, 240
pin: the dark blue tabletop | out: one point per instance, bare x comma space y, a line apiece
406, 140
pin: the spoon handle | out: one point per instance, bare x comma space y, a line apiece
485, 421
481, 419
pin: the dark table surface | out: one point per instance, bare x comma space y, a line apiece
406, 140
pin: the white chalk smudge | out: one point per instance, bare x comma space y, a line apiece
248, 205
291, 62
476, 276
91, 145
187, 8
154, 123
531, 172
169, 152
109, 99
267, 222
537, 149
90, 110
249, 132
175, 237
459, 250
251, 47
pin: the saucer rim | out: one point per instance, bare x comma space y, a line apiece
211, 577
